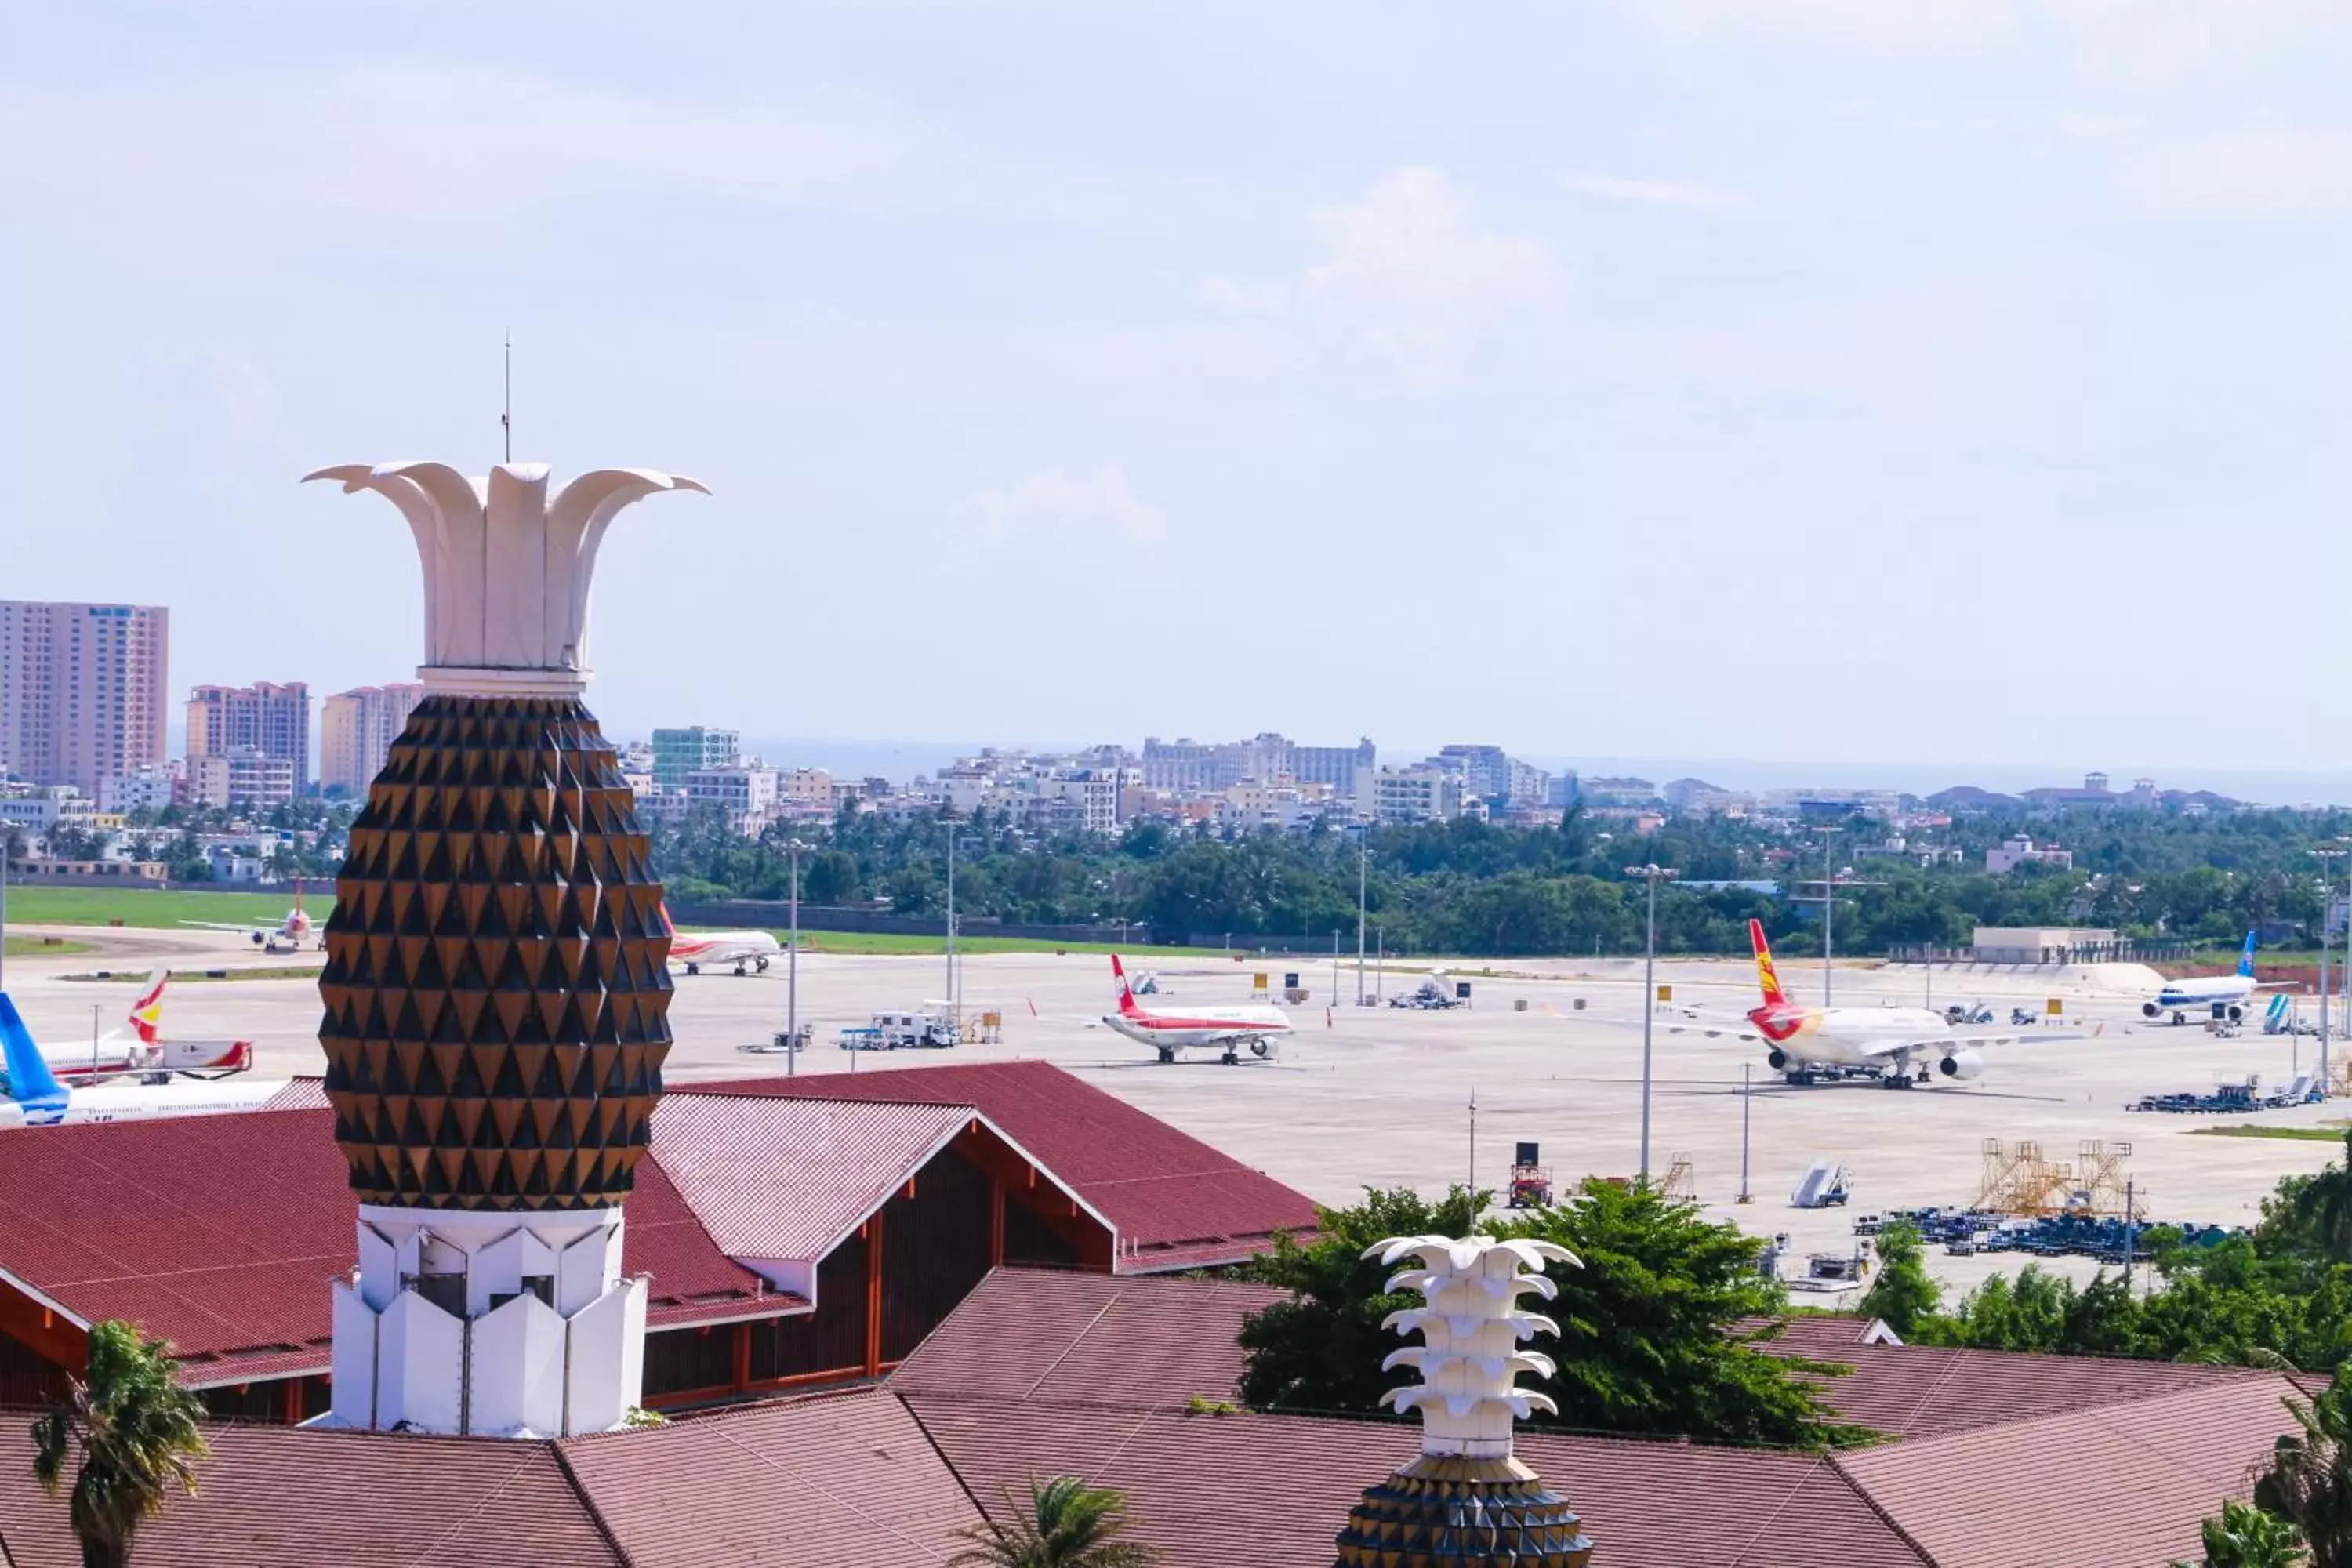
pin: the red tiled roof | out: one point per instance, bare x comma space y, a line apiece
1088, 1338
2116, 1487
357, 1499
1272, 1490
789, 1178
1177, 1203
1924, 1390
222, 1233
838, 1481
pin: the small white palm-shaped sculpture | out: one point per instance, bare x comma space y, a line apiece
1471, 1329
505, 569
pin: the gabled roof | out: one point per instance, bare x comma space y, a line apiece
222, 1233
1088, 1338
1925, 1391
1272, 1490
357, 1499
2122, 1484
841, 1481
789, 1178
845, 1481
1176, 1202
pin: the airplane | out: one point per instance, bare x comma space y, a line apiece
2227, 991
1805, 1042
1228, 1030
144, 1051
291, 933
34, 1097
746, 949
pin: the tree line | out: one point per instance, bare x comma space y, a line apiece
1475, 888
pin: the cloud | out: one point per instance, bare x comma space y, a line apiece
2264, 170
1660, 194
1058, 502
1407, 281
1878, 26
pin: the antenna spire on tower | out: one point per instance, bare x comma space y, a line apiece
506, 415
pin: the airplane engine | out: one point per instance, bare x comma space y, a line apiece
1776, 1058
1261, 1048
2236, 1014
2150, 1010
1962, 1065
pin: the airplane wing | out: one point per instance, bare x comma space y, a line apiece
221, 925
1712, 1031
1972, 1042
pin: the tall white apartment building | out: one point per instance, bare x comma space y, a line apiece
82, 690
269, 718
356, 730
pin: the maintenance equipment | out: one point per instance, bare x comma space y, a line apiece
1530, 1179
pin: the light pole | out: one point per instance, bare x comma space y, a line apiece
1829, 905
951, 821
792, 848
1653, 875
2326, 895
1363, 863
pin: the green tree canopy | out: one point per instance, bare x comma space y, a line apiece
134, 1431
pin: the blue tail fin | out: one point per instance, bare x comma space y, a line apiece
2246, 959
31, 1084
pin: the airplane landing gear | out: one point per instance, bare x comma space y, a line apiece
692, 968
1167, 1056
739, 971
2179, 1019
1231, 1060
1799, 1078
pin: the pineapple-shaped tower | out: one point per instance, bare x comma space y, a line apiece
497, 987
1467, 1502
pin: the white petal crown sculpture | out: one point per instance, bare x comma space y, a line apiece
506, 570
495, 988
1467, 1499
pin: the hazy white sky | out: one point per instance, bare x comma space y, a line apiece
1820, 379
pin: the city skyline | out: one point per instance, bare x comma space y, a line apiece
1638, 420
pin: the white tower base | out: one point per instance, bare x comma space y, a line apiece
496, 1324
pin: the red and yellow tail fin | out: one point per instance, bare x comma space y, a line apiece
1125, 994
147, 1012
1765, 975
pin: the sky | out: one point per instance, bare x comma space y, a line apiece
1814, 381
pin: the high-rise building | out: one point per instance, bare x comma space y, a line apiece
678, 753
356, 730
1485, 770
271, 719
82, 690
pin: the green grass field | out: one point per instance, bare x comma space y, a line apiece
38, 947
153, 908
891, 942
2250, 1129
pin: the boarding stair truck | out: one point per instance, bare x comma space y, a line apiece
2278, 1019
1826, 1183
2301, 1089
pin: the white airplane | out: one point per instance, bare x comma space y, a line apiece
143, 1050
34, 1097
1801, 1041
746, 949
2229, 993
287, 934
1227, 1030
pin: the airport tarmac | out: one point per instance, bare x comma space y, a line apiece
1379, 1096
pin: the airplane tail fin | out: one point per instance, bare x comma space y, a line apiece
1765, 975
2246, 959
31, 1084
1125, 994
147, 1012
666, 926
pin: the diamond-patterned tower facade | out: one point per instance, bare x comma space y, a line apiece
497, 987
496, 984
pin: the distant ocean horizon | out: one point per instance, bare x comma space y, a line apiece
900, 760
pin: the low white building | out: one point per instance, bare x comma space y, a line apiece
241, 776
2020, 851
148, 789
1418, 794
749, 795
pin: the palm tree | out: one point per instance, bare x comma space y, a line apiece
134, 1429
1068, 1524
2309, 1479
2244, 1536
